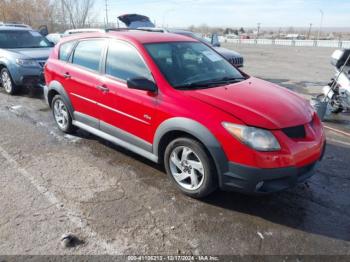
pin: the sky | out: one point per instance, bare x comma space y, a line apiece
233, 13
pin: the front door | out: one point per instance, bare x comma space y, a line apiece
126, 112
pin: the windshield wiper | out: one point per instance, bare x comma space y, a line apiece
32, 47
228, 80
196, 85
210, 83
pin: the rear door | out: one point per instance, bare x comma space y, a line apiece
129, 111
83, 80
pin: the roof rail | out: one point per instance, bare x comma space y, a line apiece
14, 24
118, 29
131, 29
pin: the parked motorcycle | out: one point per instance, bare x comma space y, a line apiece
337, 92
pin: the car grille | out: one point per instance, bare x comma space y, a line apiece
237, 61
295, 132
42, 63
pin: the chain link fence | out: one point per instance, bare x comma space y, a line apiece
287, 42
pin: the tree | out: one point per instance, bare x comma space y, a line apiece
291, 30
241, 30
2, 10
228, 31
57, 15
76, 12
203, 29
192, 28
34, 12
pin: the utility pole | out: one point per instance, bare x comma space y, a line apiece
279, 33
257, 36
321, 23
167, 12
309, 33
106, 6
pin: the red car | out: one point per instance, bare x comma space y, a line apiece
179, 103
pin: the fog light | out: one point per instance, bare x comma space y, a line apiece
259, 185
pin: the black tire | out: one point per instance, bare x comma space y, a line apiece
209, 183
11, 88
336, 109
68, 128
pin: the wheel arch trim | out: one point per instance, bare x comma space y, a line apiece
200, 132
58, 87
12, 68
2, 64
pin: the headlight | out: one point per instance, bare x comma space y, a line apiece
256, 138
26, 63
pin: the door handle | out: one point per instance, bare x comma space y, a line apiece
103, 88
67, 76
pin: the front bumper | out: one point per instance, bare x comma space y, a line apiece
236, 61
263, 181
32, 81
46, 93
28, 77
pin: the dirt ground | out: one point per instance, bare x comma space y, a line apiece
119, 203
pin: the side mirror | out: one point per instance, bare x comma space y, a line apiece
51, 43
43, 30
141, 83
215, 40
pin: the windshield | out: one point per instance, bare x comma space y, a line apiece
22, 39
200, 38
193, 35
204, 40
192, 65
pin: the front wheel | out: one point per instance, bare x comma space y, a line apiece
190, 167
7, 82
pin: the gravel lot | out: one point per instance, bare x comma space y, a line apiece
119, 203
301, 65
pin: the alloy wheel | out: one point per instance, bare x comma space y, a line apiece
61, 114
186, 168
6, 81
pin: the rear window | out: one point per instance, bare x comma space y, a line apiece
88, 54
65, 51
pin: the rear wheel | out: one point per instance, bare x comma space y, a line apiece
61, 115
7, 82
190, 167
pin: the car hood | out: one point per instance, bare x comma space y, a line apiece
258, 103
227, 53
33, 53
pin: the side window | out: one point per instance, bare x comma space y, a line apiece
88, 54
65, 51
124, 62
